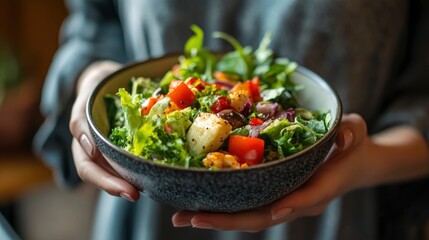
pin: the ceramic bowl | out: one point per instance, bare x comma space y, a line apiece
201, 189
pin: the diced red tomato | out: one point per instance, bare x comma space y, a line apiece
220, 86
196, 83
173, 85
191, 80
248, 149
182, 96
148, 104
255, 90
222, 103
255, 121
252, 86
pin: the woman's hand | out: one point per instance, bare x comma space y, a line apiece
355, 161
90, 164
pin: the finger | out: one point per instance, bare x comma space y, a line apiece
354, 130
248, 221
308, 200
79, 127
313, 196
344, 138
91, 172
330, 180
87, 82
182, 218
101, 161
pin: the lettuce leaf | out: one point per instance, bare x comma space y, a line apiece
180, 121
131, 110
152, 142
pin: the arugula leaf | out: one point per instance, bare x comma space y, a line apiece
313, 126
191, 67
195, 42
231, 40
280, 95
240, 61
263, 56
279, 75
275, 129
326, 117
197, 62
280, 133
291, 137
286, 145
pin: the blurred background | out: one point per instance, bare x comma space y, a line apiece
29, 199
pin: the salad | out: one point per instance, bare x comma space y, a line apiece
235, 111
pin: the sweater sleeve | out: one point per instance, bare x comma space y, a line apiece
91, 32
408, 102
404, 207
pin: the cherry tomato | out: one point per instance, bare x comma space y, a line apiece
182, 96
222, 103
248, 149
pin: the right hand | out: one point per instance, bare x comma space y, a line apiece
91, 166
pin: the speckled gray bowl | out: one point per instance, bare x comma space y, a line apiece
202, 189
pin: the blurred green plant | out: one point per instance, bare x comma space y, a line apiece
10, 74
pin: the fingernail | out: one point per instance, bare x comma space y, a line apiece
182, 224
281, 213
86, 145
183, 219
203, 225
127, 197
348, 138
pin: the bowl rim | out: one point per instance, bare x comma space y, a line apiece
294, 157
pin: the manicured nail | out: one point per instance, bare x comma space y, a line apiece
183, 219
86, 145
182, 224
281, 213
203, 225
127, 197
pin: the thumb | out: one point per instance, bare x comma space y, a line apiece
78, 126
352, 132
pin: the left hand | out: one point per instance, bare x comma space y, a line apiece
338, 175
